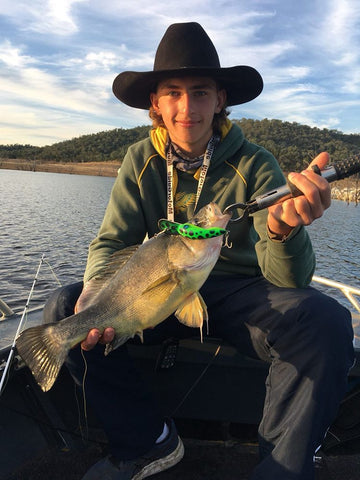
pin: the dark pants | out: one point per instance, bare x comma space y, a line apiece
305, 335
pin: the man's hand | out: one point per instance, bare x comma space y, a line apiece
94, 336
302, 210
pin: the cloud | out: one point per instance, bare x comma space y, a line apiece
12, 57
341, 23
58, 60
41, 104
45, 125
101, 60
30, 81
42, 16
340, 34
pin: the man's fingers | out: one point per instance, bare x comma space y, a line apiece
91, 340
107, 336
321, 160
94, 336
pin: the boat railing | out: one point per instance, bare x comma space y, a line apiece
351, 293
5, 310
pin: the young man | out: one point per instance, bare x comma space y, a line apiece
257, 296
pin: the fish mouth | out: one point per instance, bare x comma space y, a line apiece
210, 216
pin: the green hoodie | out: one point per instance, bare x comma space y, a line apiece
239, 171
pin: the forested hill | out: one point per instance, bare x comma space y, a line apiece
97, 147
294, 145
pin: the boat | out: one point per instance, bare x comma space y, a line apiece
195, 384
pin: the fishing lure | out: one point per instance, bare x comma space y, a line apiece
189, 230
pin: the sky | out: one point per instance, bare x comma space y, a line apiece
58, 60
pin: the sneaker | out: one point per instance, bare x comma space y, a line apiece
161, 457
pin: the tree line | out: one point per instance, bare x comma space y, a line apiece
294, 145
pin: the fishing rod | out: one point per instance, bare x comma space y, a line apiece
331, 173
13, 346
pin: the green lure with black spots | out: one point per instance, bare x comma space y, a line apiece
189, 230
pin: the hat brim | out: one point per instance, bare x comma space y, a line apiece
242, 84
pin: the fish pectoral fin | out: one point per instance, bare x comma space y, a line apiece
166, 280
117, 342
192, 312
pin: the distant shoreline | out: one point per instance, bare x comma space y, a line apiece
346, 190
101, 169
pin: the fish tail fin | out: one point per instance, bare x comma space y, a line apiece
44, 351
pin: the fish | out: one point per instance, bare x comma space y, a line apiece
141, 287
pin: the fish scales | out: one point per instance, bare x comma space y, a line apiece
140, 289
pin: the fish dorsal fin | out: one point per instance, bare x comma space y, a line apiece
115, 263
118, 259
193, 311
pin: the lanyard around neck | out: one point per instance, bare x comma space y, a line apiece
203, 172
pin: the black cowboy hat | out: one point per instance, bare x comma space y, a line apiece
186, 49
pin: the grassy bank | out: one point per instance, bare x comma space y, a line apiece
102, 169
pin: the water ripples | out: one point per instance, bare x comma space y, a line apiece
52, 214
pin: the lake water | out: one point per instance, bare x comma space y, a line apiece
45, 213
58, 215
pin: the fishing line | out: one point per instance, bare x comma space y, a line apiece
211, 361
5, 374
83, 431
86, 436
13, 346
53, 272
